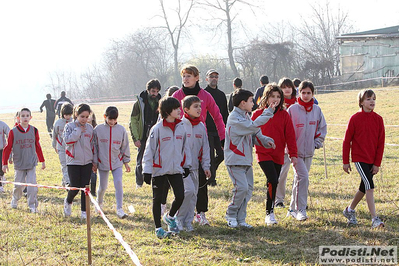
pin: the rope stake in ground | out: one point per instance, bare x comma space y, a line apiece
117, 235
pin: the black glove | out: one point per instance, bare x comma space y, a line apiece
147, 178
186, 172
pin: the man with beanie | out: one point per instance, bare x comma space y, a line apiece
144, 115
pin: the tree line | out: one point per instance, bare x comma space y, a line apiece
306, 51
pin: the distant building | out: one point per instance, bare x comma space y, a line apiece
369, 54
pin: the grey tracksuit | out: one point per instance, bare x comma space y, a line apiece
310, 131
113, 151
166, 152
79, 145
197, 140
241, 131
59, 144
4, 130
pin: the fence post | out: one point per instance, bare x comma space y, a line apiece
325, 161
88, 224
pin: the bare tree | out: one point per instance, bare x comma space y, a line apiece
317, 44
182, 14
229, 9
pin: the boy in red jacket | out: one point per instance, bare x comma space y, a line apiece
366, 135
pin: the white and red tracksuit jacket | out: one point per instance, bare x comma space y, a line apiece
112, 146
166, 151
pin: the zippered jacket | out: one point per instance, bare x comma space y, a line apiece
310, 129
364, 137
208, 104
242, 133
281, 130
166, 151
4, 130
79, 145
198, 145
112, 146
58, 129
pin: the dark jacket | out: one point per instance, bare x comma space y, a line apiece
221, 102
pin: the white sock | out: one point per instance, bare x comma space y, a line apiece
349, 209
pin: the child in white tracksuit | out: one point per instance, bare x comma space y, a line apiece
240, 132
310, 130
58, 139
112, 153
199, 152
166, 160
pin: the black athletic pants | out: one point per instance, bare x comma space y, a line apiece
158, 186
79, 176
272, 172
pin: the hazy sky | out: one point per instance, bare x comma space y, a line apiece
42, 36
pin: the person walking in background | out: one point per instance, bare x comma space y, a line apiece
310, 131
166, 159
237, 84
113, 152
281, 130
58, 139
25, 157
264, 80
215, 145
58, 104
289, 91
240, 130
190, 80
50, 113
144, 115
4, 131
81, 156
364, 139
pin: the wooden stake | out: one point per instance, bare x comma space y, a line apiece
325, 162
88, 226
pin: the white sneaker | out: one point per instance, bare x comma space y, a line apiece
179, 224
292, 213
163, 209
33, 210
231, 222
189, 228
377, 223
83, 215
121, 214
270, 219
245, 225
67, 208
301, 215
1, 189
102, 208
139, 186
202, 219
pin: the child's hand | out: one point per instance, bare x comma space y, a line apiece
94, 168
5, 168
347, 168
127, 168
273, 105
294, 161
56, 151
271, 144
207, 173
43, 165
375, 170
137, 143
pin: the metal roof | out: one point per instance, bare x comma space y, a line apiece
389, 32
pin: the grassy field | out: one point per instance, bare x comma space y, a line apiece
47, 238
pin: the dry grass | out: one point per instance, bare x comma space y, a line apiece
47, 238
